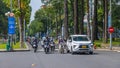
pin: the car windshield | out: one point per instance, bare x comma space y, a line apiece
80, 38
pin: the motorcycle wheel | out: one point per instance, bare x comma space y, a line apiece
35, 49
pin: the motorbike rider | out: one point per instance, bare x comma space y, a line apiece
61, 44
46, 44
52, 45
46, 41
35, 45
60, 41
43, 42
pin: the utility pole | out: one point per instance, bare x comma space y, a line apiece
110, 24
91, 19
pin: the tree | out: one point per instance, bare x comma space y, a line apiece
77, 10
105, 28
35, 27
95, 23
115, 15
88, 21
3, 19
22, 6
66, 19
82, 17
76, 24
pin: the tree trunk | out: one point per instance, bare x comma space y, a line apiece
76, 25
21, 32
103, 20
82, 18
56, 24
72, 15
66, 19
95, 23
88, 20
21, 17
106, 21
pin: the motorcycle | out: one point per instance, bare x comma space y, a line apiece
61, 48
35, 47
52, 47
46, 49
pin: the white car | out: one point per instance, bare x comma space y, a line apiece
79, 43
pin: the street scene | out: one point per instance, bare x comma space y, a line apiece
29, 59
59, 34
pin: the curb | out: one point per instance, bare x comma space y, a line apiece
108, 50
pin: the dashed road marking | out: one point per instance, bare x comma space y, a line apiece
33, 65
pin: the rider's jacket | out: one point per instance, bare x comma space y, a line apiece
46, 42
35, 42
52, 43
61, 41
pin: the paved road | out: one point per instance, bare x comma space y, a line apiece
29, 59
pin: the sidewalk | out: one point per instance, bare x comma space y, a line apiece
117, 49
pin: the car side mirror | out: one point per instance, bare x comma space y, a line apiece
70, 40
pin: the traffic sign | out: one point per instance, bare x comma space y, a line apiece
111, 29
11, 25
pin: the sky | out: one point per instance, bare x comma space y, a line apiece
35, 4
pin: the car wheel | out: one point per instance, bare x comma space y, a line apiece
68, 51
72, 51
91, 52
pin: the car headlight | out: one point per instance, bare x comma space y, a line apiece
91, 44
74, 46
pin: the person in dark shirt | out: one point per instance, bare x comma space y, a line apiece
35, 44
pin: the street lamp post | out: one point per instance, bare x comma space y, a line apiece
11, 5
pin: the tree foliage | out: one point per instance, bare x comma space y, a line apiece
51, 15
3, 18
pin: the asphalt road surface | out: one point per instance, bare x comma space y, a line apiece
29, 59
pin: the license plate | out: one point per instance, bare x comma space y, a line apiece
84, 46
